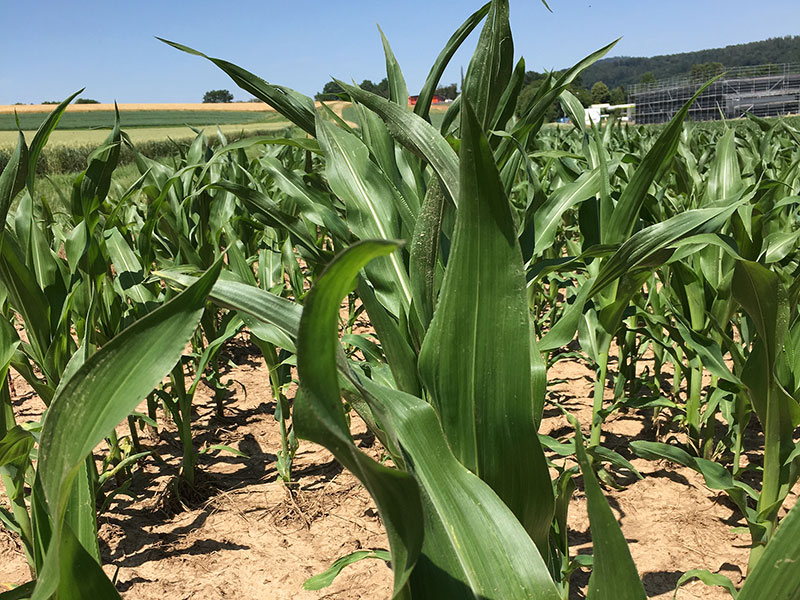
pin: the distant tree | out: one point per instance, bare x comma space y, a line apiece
648, 78
619, 95
368, 86
600, 93
217, 97
531, 76
581, 93
554, 111
50, 102
86, 101
448, 92
330, 91
527, 94
705, 71
381, 88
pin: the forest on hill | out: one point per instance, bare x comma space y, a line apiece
627, 70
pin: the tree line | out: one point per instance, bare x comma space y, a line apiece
333, 91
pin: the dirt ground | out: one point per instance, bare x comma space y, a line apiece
254, 537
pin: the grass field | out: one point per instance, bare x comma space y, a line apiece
81, 137
139, 118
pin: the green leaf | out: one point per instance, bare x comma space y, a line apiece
130, 273
423, 105
268, 308
319, 415
762, 295
398, 91
624, 217
12, 179
776, 575
296, 107
708, 578
368, 197
724, 177
491, 66
476, 358
21, 592
414, 133
15, 446
715, 475
547, 218
41, 137
614, 575
424, 253
324, 579
98, 396
474, 546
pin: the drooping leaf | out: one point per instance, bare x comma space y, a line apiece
296, 107
473, 545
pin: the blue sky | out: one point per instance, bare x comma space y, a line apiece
52, 48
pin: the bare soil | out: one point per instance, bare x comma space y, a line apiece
254, 537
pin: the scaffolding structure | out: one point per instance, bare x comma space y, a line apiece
763, 91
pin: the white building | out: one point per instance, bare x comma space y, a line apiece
597, 113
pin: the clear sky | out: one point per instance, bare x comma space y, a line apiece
51, 48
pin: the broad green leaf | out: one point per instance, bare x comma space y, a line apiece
476, 358
99, 395
22, 592
26, 297
319, 415
724, 177
368, 198
128, 268
269, 308
260, 203
762, 295
398, 92
643, 249
776, 575
12, 179
715, 475
15, 445
424, 253
490, 69
474, 546
547, 218
708, 578
314, 204
623, 219
41, 137
416, 134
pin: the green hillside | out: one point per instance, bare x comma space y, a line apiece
627, 70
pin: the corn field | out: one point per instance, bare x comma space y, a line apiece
481, 253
